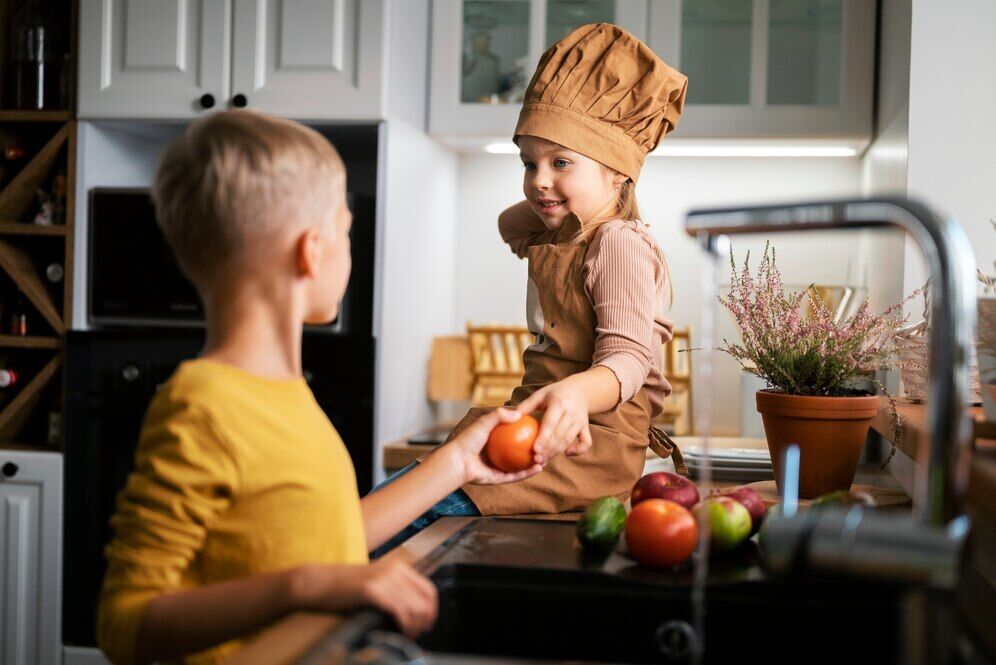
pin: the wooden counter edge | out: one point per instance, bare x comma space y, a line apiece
914, 436
288, 640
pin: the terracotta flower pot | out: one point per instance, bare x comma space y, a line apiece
830, 433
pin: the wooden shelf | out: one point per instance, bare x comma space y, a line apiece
14, 414
35, 116
16, 263
915, 437
21, 229
49, 136
28, 447
32, 342
20, 195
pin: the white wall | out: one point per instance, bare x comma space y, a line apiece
952, 140
415, 289
491, 281
884, 165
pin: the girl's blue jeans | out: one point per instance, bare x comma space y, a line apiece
456, 504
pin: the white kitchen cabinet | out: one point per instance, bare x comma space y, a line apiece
758, 69
305, 59
770, 68
153, 58
484, 53
178, 59
30, 558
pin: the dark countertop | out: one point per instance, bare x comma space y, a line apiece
529, 545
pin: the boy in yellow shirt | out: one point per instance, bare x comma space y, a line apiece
243, 505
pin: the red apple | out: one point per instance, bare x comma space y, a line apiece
663, 485
752, 501
729, 522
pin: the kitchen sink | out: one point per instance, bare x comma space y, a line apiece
524, 588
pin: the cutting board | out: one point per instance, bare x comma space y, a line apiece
883, 497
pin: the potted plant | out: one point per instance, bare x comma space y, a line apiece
816, 369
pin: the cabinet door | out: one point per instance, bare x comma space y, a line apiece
310, 59
770, 68
30, 558
153, 58
484, 53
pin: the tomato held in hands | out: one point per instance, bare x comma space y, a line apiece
510, 445
661, 533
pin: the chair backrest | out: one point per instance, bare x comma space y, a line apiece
678, 365
497, 361
678, 415
497, 350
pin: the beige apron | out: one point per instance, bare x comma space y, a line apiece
564, 324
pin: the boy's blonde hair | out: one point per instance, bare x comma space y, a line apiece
234, 181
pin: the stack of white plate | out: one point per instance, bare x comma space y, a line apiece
729, 461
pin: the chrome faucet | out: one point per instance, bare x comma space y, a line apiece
943, 480
926, 550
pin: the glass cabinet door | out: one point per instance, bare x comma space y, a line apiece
716, 42
495, 63
484, 53
804, 52
564, 16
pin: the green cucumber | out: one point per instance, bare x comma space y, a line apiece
601, 523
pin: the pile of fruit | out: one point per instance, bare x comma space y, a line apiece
663, 526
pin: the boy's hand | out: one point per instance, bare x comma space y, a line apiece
467, 447
389, 584
564, 428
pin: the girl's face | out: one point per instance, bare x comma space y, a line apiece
558, 181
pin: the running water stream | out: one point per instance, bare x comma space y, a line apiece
706, 383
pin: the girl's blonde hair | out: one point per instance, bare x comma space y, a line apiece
626, 208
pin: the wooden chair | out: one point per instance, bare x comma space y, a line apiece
679, 415
497, 361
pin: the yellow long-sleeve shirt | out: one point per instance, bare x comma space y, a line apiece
235, 475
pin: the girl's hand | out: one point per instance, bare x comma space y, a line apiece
467, 447
564, 428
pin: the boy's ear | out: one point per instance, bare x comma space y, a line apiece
309, 253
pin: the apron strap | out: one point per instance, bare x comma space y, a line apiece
664, 446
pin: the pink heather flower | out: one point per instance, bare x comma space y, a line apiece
812, 355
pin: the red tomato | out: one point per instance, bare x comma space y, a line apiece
661, 533
510, 445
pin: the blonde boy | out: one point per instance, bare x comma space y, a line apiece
243, 505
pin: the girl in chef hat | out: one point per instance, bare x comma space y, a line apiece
600, 100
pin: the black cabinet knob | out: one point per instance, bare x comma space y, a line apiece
130, 373
676, 640
239, 101
207, 100
9, 469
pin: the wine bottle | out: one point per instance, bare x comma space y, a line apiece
8, 378
19, 318
12, 158
36, 61
54, 273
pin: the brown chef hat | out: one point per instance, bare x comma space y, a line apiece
602, 92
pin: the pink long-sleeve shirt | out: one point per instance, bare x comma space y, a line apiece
626, 282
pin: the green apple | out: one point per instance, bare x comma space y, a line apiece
729, 522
